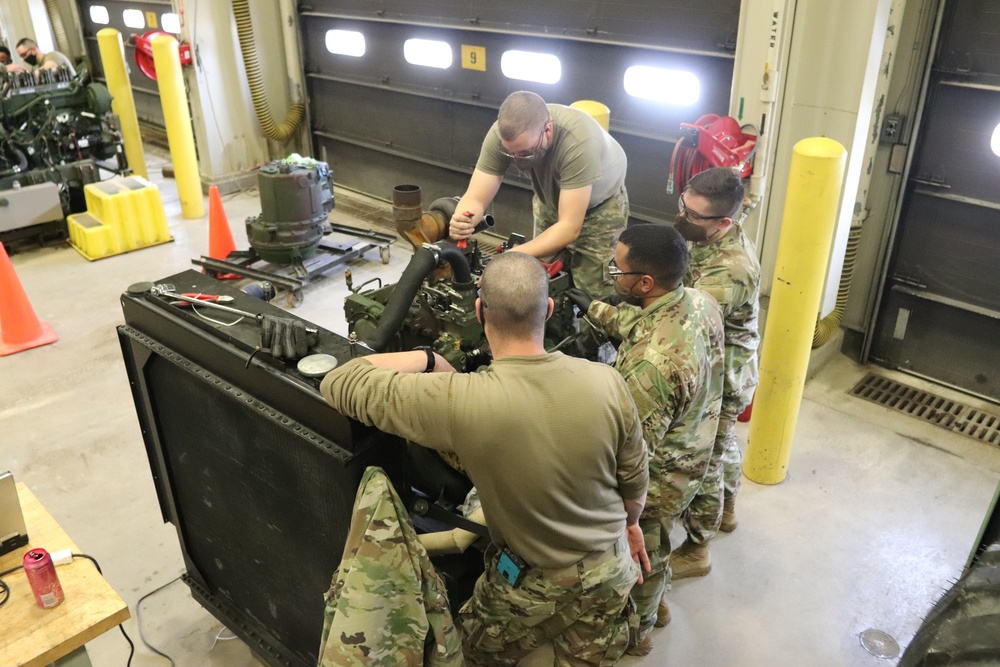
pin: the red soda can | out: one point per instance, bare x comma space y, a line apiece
43, 578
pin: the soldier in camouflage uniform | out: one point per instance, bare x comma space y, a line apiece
554, 446
724, 264
385, 563
672, 358
577, 173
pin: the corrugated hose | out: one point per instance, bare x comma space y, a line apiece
272, 130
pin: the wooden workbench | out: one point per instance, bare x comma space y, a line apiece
31, 636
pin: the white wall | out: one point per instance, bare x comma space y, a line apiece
833, 54
228, 135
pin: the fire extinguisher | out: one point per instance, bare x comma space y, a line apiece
711, 141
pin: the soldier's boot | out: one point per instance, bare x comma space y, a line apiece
662, 614
690, 560
729, 521
643, 646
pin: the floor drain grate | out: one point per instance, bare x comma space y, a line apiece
929, 407
362, 210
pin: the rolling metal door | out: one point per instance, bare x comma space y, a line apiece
941, 308
381, 121
145, 93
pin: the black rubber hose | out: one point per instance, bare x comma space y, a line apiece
22, 162
459, 266
420, 266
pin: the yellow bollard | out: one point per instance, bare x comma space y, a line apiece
178, 121
596, 110
109, 41
814, 185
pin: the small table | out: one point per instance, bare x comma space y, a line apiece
34, 637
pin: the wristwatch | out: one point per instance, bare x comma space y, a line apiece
431, 361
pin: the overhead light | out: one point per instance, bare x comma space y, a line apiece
659, 84
345, 43
529, 66
995, 140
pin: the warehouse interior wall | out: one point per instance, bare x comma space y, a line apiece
227, 133
785, 83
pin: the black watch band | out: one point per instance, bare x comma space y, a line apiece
431, 362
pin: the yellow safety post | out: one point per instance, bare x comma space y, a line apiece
109, 41
599, 112
814, 185
178, 121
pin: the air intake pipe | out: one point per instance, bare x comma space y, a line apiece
418, 227
423, 262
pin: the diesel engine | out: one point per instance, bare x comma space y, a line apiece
433, 304
53, 126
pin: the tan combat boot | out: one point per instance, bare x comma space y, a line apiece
690, 560
662, 614
644, 646
729, 521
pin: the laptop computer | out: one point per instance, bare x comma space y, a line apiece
13, 534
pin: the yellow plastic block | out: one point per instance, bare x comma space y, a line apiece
91, 237
123, 214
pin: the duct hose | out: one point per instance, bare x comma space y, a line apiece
420, 266
58, 29
827, 326
272, 130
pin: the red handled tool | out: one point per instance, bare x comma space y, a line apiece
461, 244
554, 268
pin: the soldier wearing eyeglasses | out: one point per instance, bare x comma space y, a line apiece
577, 173
671, 357
724, 264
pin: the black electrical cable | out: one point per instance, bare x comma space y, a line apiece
138, 620
131, 646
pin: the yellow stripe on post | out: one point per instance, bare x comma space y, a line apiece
173, 97
814, 185
109, 41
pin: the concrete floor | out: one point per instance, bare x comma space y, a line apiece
878, 513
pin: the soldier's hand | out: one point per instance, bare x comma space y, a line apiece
637, 547
460, 227
441, 365
286, 338
579, 299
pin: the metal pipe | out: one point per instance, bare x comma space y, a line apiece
178, 121
809, 219
109, 41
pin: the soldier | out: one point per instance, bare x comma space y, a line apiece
724, 264
29, 52
671, 358
555, 448
577, 173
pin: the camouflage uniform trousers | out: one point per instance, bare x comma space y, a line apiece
704, 515
646, 596
582, 609
587, 257
674, 479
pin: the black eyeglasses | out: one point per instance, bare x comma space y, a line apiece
684, 210
530, 155
614, 272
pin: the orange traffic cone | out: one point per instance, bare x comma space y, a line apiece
20, 328
220, 237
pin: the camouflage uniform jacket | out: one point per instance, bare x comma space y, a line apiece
386, 604
671, 358
728, 270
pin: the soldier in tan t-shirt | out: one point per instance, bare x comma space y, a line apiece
554, 445
577, 172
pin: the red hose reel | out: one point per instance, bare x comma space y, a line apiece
711, 141
144, 52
